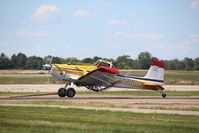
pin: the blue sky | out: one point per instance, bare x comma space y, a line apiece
167, 29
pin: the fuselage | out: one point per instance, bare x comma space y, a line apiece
74, 72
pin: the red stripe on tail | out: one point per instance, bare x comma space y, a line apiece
157, 63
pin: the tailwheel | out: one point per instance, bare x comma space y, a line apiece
62, 92
164, 95
70, 92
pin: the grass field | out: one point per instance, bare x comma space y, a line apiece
27, 79
51, 120
171, 77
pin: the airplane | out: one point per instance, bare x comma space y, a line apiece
103, 75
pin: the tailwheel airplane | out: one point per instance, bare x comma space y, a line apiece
103, 75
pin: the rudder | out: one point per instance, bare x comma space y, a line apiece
156, 71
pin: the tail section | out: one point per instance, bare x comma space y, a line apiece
156, 70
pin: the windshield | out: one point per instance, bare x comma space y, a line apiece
100, 63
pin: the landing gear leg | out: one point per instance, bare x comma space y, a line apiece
163, 94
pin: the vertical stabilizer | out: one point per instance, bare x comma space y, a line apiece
156, 70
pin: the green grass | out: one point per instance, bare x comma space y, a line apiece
51, 120
109, 93
170, 108
27, 79
66, 103
182, 77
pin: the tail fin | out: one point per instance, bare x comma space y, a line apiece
156, 70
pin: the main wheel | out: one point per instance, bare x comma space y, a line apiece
70, 92
164, 95
62, 92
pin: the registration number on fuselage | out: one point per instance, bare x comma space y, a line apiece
128, 82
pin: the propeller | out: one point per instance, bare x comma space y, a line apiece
48, 66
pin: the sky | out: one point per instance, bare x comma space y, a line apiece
168, 29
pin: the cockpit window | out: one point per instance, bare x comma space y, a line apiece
100, 63
114, 67
103, 64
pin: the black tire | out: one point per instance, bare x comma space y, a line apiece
62, 92
71, 92
164, 95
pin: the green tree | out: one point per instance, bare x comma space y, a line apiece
196, 64
144, 59
124, 62
95, 58
14, 61
179, 65
72, 60
121, 65
87, 60
189, 63
40, 62
5, 62
31, 62
34, 62
58, 60
20, 61
174, 64
169, 65
135, 64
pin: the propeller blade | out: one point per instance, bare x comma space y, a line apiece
51, 60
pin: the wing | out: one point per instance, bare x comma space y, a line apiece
102, 76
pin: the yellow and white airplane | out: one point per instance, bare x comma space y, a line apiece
103, 75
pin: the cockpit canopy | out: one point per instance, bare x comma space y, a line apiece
100, 63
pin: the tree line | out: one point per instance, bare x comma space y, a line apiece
143, 61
